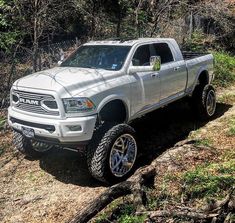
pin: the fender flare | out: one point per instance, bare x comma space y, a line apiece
113, 97
201, 70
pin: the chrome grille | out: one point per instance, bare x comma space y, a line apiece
34, 108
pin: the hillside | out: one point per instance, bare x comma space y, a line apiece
58, 185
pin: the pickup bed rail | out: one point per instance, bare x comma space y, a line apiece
187, 55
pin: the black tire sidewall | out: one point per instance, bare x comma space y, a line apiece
199, 100
109, 174
207, 89
104, 147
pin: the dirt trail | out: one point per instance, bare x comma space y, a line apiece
47, 190
55, 187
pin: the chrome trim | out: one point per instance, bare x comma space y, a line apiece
38, 109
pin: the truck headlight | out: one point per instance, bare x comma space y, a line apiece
73, 105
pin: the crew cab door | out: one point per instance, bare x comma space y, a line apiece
173, 74
145, 87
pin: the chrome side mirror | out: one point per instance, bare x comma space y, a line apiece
155, 61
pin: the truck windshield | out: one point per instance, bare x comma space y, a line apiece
98, 57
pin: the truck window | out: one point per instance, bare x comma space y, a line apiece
141, 56
164, 51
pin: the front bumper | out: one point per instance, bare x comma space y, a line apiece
55, 130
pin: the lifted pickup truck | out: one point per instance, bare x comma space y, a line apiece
92, 96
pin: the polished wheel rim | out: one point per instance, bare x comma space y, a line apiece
211, 102
122, 155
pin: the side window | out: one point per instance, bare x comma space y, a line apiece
141, 56
164, 51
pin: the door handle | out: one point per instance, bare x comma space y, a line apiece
176, 68
153, 75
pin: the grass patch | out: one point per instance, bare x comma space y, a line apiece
231, 131
203, 142
208, 180
127, 215
122, 213
224, 69
227, 98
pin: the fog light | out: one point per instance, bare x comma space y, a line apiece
74, 128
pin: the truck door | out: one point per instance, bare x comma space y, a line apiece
173, 73
145, 85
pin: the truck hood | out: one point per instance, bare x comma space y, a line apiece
69, 80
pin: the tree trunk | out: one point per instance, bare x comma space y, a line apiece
119, 25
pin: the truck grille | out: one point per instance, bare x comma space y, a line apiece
35, 103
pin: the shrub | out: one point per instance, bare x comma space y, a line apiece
224, 69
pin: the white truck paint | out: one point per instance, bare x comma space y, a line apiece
141, 92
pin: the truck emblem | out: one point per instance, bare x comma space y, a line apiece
28, 101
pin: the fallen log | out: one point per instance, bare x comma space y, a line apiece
132, 186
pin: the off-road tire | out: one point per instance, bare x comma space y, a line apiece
25, 146
98, 152
199, 102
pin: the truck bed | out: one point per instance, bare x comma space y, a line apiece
187, 55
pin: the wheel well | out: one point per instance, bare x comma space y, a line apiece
113, 111
203, 78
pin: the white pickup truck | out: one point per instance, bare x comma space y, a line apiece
91, 97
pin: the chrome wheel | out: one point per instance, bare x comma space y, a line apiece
211, 103
122, 155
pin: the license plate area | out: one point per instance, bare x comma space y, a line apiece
28, 132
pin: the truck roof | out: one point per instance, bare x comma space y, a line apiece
128, 42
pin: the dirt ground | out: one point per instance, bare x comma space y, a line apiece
58, 185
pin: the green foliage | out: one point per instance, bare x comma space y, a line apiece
224, 63
224, 69
203, 142
8, 39
207, 180
195, 43
231, 131
9, 33
125, 214
131, 219
227, 98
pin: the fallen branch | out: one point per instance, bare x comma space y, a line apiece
185, 214
214, 206
211, 211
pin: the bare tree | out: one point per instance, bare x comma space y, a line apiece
39, 20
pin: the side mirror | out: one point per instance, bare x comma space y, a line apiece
155, 61
136, 69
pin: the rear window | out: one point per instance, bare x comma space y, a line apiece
164, 51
